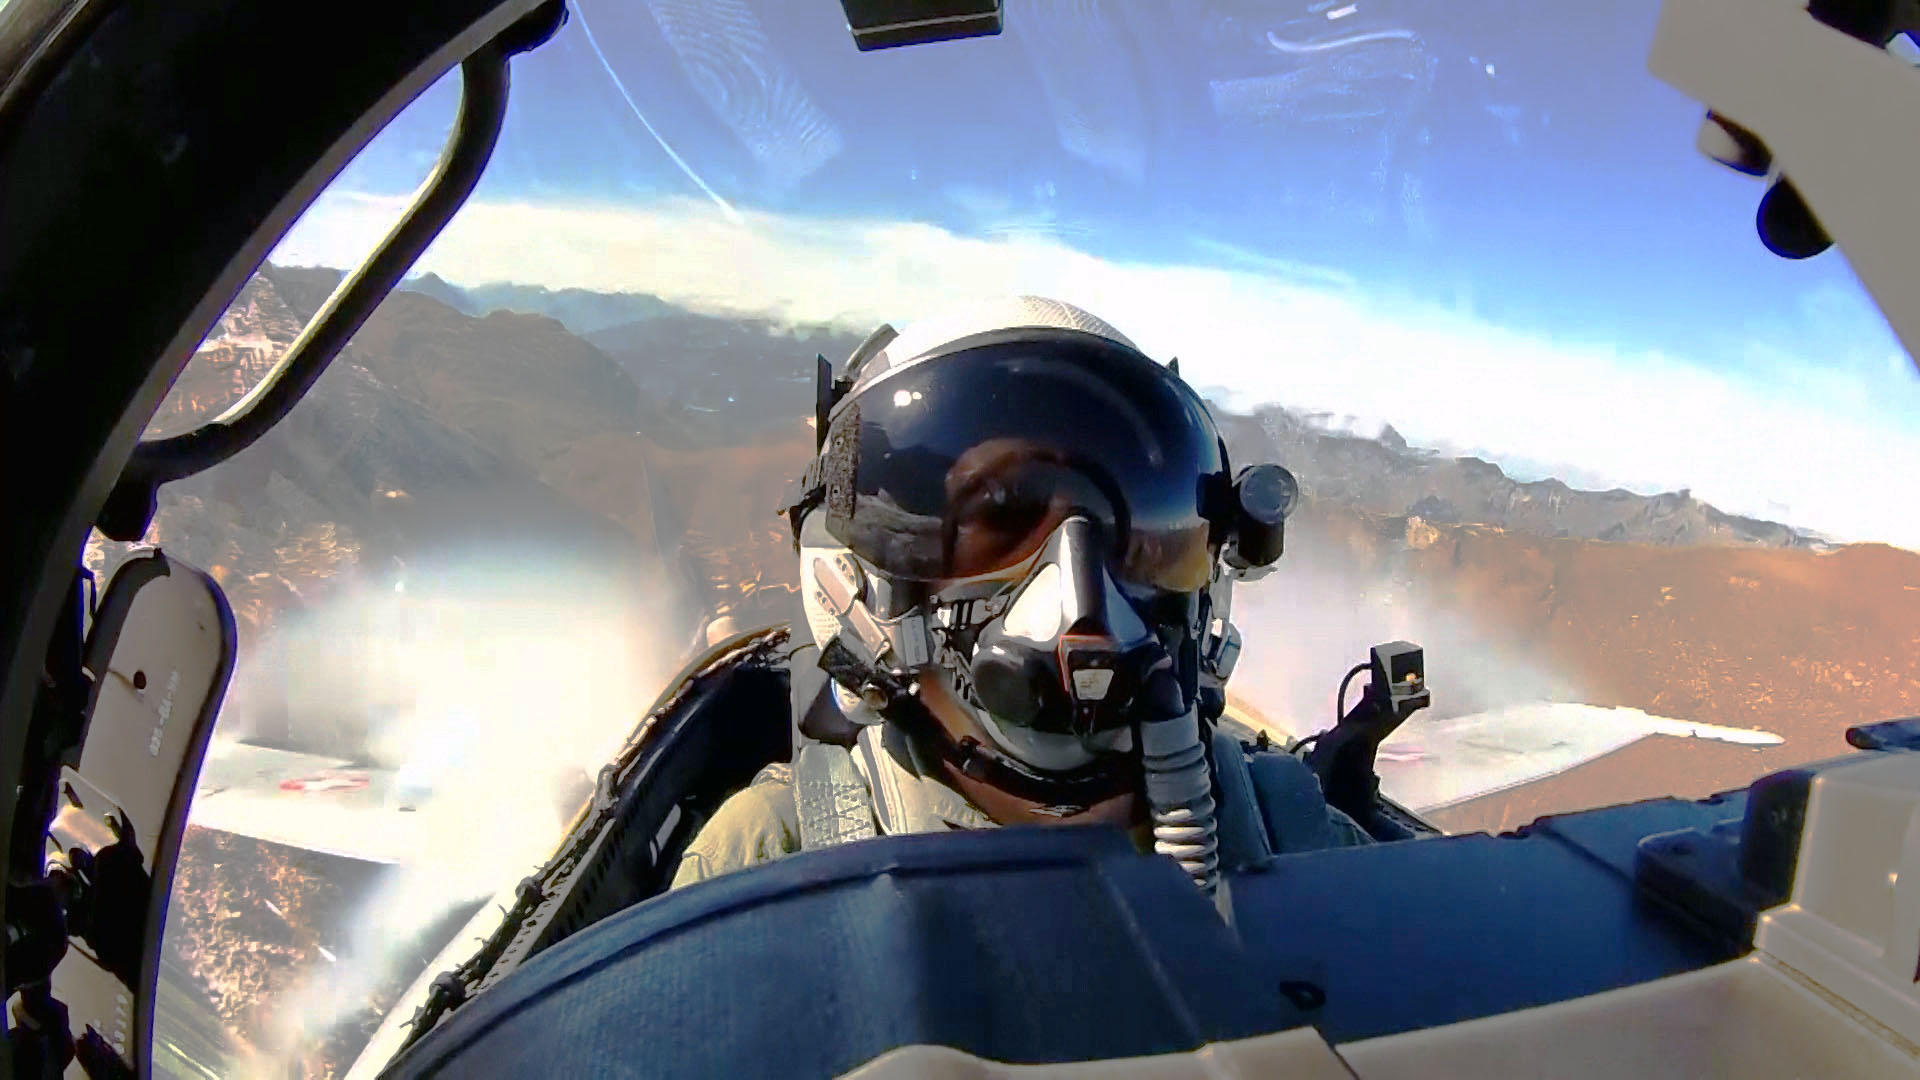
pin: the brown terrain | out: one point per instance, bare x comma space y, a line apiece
240, 932
619, 434
1801, 643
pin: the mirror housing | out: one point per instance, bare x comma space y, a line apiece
887, 24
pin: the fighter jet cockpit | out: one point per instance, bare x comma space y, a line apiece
967, 538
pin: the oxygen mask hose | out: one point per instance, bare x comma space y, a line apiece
1179, 789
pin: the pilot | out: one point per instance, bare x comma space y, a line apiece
1017, 545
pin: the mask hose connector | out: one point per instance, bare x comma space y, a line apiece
1180, 796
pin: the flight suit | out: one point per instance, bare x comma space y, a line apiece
756, 824
761, 822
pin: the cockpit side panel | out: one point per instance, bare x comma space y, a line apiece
1018, 944
1025, 945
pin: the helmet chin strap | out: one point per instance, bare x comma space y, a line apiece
864, 655
879, 660
1171, 770
1059, 793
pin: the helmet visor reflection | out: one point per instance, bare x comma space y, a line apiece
961, 465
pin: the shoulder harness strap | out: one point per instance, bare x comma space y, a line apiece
830, 797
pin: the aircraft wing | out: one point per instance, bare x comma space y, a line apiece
1432, 764
306, 801
338, 807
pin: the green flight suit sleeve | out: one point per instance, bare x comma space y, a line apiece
755, 825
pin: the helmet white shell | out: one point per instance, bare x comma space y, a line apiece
1000, 313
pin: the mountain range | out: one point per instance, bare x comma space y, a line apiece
751, 376
647, 432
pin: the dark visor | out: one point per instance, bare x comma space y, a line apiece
961, 465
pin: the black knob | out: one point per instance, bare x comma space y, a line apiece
1263, 496
1787, 225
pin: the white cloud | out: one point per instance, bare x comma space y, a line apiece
1815, 438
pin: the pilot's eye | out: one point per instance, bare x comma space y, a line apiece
1004, 505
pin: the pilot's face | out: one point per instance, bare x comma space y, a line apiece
1005, 497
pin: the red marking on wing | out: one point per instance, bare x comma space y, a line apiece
325, 782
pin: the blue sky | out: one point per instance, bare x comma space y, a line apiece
1325, 182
